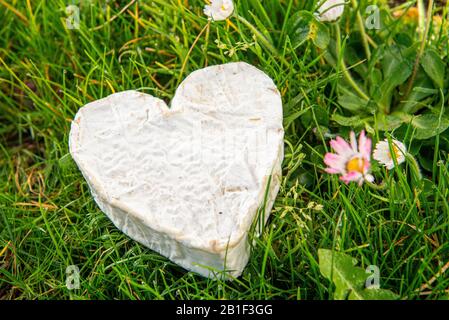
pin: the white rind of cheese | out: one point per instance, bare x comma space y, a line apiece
187, 181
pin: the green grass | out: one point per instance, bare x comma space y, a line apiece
48, 219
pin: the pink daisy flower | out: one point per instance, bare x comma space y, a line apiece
350, 160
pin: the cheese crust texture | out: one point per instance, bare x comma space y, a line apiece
190, 181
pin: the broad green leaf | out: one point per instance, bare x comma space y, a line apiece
397, 67
434, 67
373, 294
423, 88
429, 125
376, 58
348, 279
319, 34
415, 147
331, 55
388, 122
376, 81
415, 101
304, 26
357, 63
426, 162
349, 100
403, 39
354, 121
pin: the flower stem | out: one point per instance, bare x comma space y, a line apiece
362, 31
420, 52
206, 27
342, 64
382, 186
414, 166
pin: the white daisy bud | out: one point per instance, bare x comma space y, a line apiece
219, 10
331, 10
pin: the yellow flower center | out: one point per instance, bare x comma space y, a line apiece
396, 151
355, 164
223, 8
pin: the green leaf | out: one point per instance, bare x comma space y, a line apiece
304, 27
397, 67
321, 115
426, 162
376, 81
331, 54
354, 121
404, 39
434, 66
353, 59
373, 294
423, 88
388, 122
348, 279
429, 125
350, 100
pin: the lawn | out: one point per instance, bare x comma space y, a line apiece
334, 77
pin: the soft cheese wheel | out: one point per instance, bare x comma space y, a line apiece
187, 181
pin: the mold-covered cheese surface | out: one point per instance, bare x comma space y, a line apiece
187, 181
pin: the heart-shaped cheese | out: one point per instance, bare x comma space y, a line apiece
187, 181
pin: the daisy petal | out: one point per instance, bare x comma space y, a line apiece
341, 146
353, 141
369, 178
351, 176
334, 161
365, 145
383, 153
332, 170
